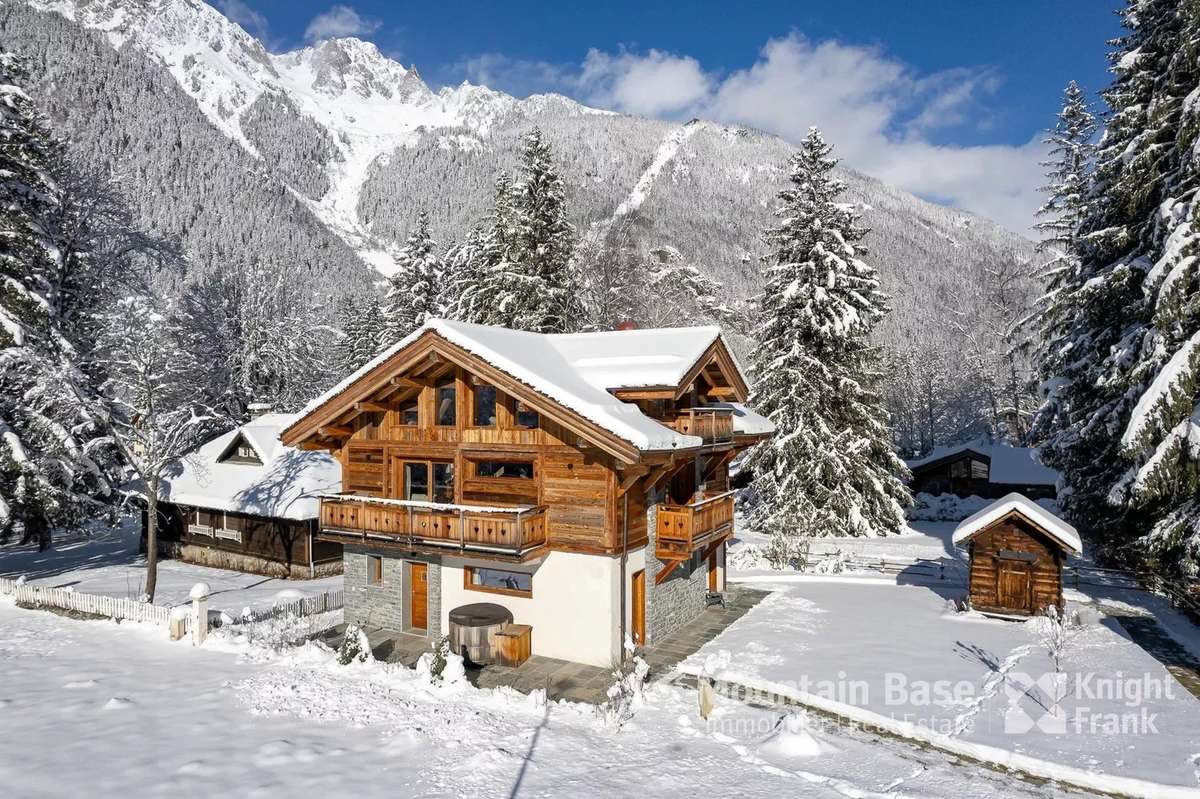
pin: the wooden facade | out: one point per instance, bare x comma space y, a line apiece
968, 473
258, 544
443, 452
1015, 568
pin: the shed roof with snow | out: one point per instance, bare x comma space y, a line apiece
248, 470
1047, 522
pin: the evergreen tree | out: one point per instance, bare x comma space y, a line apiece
414, 288
463, 290
534, 279
1121, 382
830, 469
54, 468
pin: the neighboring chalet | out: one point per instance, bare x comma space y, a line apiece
1017, 550
244, 501
575, 485
983, 468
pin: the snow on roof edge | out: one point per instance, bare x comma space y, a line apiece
1056, 527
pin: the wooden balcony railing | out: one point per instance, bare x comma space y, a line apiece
713, 425
681, 529
511, 531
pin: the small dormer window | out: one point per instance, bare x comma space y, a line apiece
240, 451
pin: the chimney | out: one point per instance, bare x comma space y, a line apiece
628, 324
257, 409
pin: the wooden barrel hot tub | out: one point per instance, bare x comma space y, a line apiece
473, 630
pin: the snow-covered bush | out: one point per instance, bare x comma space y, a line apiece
625, 695
442, 665
785, 551
745, 557
1055, 630
355, 647
831, 564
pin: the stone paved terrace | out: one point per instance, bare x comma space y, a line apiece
563, 679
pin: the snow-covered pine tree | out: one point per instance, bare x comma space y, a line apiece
1068, 174
1127, 327
1152, 186
462, 291
415, 287
536, 286
831, 468
52, 473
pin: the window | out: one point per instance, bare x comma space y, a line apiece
443, 482
374, 570
498, 581
485, 404
526, 416
240, 451
959, 469
416, 481
445, 416
507, 470
200, 522
408, 414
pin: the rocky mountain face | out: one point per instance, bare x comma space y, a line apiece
324, 156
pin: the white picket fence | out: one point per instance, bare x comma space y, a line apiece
305, 606
112, 607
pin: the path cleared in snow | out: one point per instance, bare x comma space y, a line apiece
100, 709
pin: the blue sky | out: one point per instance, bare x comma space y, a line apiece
946, 99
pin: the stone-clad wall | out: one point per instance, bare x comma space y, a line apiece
679, 599
383, 605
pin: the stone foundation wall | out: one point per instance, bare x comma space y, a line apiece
250, 564
383, 605
680, 598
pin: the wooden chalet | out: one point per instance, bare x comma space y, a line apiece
581, 481
1017, 551
983, 468
243, 501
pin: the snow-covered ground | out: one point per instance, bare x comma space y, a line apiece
108, 564
100, 709
877, 645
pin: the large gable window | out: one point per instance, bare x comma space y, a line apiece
525, 416
484, 402
445, 413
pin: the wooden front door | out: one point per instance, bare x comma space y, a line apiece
1014, 585
418, 595
639, 607
712, 571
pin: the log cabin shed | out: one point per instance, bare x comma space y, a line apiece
1017, 551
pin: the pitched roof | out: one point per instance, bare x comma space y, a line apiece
1008, 465
577, 370
286, 485
1055, 527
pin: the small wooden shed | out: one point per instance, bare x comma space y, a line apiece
1017, 550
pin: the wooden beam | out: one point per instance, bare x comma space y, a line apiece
371, 406
724, 391
672, 565
632, 394
335, 432
628, 479
316, 446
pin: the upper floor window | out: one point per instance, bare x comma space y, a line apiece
409, 416
516, 470
485, 404
445, 411
240, 451
526, 416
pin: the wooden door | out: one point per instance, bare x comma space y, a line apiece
639, 607
712, 571
1014, 585
418, 596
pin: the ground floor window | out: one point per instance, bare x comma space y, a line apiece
498, 581
375, 569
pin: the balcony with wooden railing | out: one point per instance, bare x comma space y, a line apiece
682, 529
712, 425
475, 529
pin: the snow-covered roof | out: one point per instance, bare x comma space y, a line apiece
745, 421
1058, 529
577, 370
1009, 465
287, 484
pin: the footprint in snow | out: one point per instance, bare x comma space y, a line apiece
118, 703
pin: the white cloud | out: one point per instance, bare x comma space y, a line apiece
653, 84
252, 21
339, 21
879, 113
